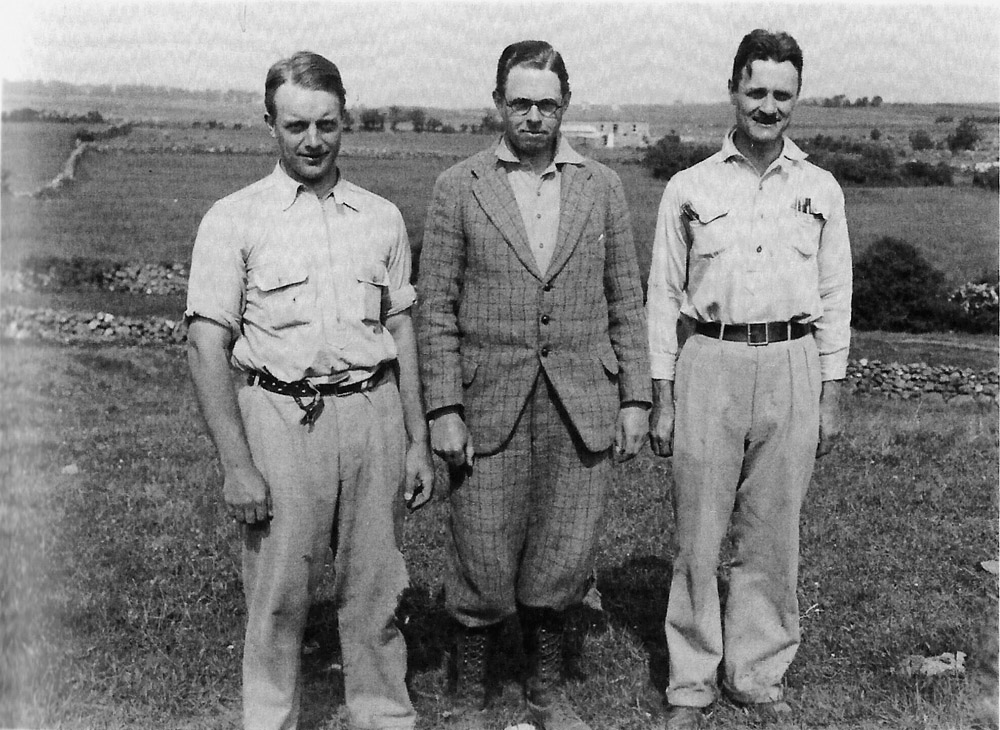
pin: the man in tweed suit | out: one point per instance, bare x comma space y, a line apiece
532, 351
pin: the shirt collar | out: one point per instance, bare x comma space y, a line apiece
789, 150
343, 192
565, 155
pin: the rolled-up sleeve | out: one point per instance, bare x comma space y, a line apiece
402, 293
217, 281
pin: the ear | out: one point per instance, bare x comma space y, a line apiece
565, 101
269, 121
499, 102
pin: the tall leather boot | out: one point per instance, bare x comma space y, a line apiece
469, 695
543, 630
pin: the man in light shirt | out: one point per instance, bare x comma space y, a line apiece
303, 357
534, 358
751, 252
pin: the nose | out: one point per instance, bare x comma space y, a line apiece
312, 136
768, 104
533, 114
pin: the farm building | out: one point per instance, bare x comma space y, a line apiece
608, 134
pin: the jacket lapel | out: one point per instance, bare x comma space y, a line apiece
496, 198
575, 206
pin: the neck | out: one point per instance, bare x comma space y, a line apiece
760, 154
537, 161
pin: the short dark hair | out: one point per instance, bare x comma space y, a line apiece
765, 45
534, 54
306, 69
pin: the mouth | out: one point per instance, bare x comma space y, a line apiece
313, 159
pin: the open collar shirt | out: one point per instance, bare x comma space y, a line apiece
538, 196
734, 246
304, 285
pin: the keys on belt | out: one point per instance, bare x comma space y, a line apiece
755, 333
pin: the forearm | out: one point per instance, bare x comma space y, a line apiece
402, 330
209, 364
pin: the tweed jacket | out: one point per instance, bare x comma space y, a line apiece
489, 321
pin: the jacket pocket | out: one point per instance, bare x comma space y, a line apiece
804, 231
610, 362
710, 227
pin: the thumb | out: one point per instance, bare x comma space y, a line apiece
470, 452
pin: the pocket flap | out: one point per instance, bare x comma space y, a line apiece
269, 277
706, 211
469, 367
609, 360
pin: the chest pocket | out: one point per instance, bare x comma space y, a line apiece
373, 293
281, 293
804, 229
709, 227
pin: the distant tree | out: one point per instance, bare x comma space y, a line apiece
920, 140
490, 124
876, 135
862, 102
372, 120
395, 116
669, 156
944, 119
965, 136
433, 124
463, 128
876, 101
447, 129
418, 117
348, 121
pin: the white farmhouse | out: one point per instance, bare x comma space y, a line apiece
608, 134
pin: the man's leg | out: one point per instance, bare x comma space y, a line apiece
282, 556
713, 394
370, 571
762, 617
568, 495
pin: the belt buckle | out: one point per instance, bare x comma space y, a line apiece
757, 334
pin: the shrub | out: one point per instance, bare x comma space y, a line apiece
980, 305
965, 136
926, 174
896, 289
876, 134
987, 178
920, 140
669, 156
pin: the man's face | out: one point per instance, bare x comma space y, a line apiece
307, 127
764, 100
532, 133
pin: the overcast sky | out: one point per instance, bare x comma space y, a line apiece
444, 53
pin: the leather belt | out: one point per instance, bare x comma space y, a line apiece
756, 333
304, 389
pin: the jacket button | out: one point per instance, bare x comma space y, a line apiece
545, 319
547, 287
545, 352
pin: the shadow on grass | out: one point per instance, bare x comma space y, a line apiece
634, 596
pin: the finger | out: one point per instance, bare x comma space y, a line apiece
470, 453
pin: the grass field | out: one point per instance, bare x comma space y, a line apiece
121, 603
146, 207
33, 154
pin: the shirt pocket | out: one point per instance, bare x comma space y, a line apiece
710, 226
804, 230
373, 294
281, 292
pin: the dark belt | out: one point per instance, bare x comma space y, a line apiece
757, 333
304, 389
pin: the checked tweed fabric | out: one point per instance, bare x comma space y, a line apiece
489, 320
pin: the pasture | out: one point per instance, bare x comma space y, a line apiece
120, 597
122, 605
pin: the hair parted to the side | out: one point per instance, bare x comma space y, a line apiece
765, 45
534, 54
308, 70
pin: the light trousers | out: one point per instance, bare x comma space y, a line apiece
338, 485
745, 436
524, 524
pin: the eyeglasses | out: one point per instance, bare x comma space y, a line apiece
546, 107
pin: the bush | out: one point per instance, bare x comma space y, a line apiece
980, 305
896, 289
989, 179
923, 173
669, 156
876, 134
965, 136
920, 140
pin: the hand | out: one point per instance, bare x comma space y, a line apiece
661, 418
633, 423
419, 486
450, 440
830, 420
246, 494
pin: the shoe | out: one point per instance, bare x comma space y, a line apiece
469, 694
776, 711
682, 717
548, 708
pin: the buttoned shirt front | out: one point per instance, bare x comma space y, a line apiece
538, 196
734, 246
305, 285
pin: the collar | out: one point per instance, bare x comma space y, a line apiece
789, 150
343, 192
565, 155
